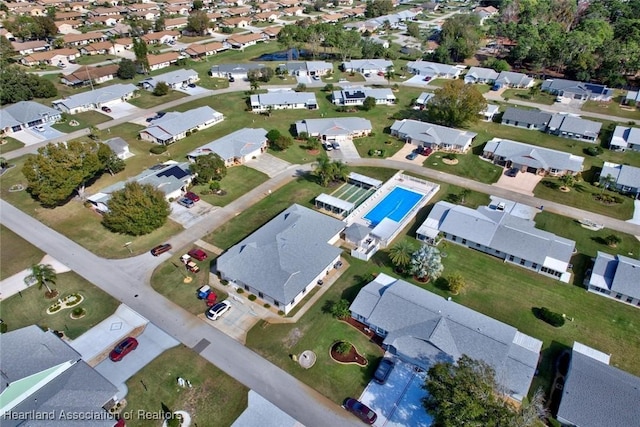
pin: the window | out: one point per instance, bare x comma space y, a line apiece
276, 303
618, 296
522, 262
629, 299
464, 241
260, 294
511, 257
454, 238
246, 287
534, 265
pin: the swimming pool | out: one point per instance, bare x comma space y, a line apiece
396, 205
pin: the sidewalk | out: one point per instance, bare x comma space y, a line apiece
15, 284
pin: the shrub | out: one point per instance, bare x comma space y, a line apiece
267, 305
343, 347
451, 156
54, 308
78, 311
594, 150
280, 313
158, 149
214, 186
252, 297
224, 282
240, 291
3, 327
188, 133
552, 318
371, 152
340, 309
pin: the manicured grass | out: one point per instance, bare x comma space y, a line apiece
85, 119
582, 196
213, 83
169, 280
146, 99
30, 308
469, 165
588, 242
612, 108
302, 191
94, 59
317, 331
21, 254
10, 144
239, 180
214, 398
523, 95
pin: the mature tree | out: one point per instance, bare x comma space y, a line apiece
208, 168
497, 64
17, 85
460, 36
273, 135
254, 85
455, 283
371, 49
42, 275
127, 69
136, 210
455, 104
197, 5
161, 89
426, 263
465, 393
6, 51
198, 22
400, 254
112, 163
340, 309
60, 169
413, 29
568, 180
266, 74
329, 171
282, 142
141, 52
159, 25
368, 103
377, 8
612, 240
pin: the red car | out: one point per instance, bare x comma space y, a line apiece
198, 254
192, 196
121, 350
360, 410
426, 79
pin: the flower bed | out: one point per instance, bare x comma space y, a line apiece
66, 302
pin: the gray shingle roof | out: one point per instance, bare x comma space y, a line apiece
284, 97
624, 136
530, 117
424, 98
117, 144
236, 144
173, 77
308, 66
356, 232
433, 68
336, 126
574, 125
97, 96
25, 112
175, 123
596, 394
362, 92
479, 73
428, 329
514, 79
618, 273
428, 133
261, 412
626, 175
235, 68
531, 155
573, 86
283, 256
367, 64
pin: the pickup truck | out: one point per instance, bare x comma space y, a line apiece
189, 263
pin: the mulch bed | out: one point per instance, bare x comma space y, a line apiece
364, 329
352, 356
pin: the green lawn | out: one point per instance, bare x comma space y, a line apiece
612, 108
9, 144
239, 180
94, 59
85, 120
214, 395
213, 83
524, 95
469, 165
30, 308
22, 254
146, 99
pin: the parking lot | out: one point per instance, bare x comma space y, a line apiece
398, 402
189, 216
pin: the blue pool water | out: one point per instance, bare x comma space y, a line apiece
394, 206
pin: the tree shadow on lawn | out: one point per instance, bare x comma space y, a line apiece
550, 184
547, 368
590, 174
580, 264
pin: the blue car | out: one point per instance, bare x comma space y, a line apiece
412, 155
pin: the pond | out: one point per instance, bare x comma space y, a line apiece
293, 55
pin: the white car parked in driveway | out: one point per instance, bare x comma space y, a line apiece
215, 312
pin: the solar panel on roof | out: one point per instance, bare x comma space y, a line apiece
176, 171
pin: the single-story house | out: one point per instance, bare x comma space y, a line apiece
174, 79
307, 68
99, 48
293, 11
175, 126
423, 329
282, 100
29, 47
271, 33
283, 260
176, 23
596, 394
528, 119
617, 277
332, 18
91, 75
120, 147
625, 138
498, 233
26, 114
68, 27
433, 69
44, 378
422, 100
336, 129
531, 158
108, 21
571, 89
364, 66
201, 50
122, 44
623, 178
569, 126
51, 57
355, 95
171, 177
161, 37
481, 75
235, 22
266, 16
245, 40
632, 98
236, 148
162, 60
77, 40
513, 79
95, 99
237, 71
485, 12
490, 112
432, 136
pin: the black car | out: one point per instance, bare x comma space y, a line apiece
231, 79
192, 85
384, 370
513, 172
360, 410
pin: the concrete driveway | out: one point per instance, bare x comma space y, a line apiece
268, 164
401, 155
523, 182
347, 151
240, 318
151, 343
187, 217
398, 401
416, 81
193, 90
31, 136
121, 109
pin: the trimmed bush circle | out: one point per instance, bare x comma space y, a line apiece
252, 297
552, 318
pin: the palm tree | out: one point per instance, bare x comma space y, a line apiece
42, 274
339, 171
426, 263
323, 170
255, 85
400, 254
389, 74
568, 180
463, 195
